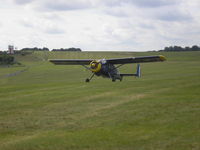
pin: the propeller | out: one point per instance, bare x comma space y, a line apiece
95, 66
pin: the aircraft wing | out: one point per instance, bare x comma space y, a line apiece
136, 59
71, 61
111, 61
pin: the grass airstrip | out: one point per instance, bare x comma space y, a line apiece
49, 107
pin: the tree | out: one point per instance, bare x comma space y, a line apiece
67, 49
179, 48
6, 59
195, 48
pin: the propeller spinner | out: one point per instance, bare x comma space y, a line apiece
95, 66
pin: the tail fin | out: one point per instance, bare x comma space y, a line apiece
138, 73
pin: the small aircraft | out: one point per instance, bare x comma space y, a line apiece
107, 67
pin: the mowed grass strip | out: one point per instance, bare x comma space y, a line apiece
50, 107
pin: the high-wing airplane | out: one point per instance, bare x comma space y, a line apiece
109, 67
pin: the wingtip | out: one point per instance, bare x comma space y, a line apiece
162, 58
50, 60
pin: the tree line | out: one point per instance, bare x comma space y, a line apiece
47, 49
68, 49
179, 48
35, 49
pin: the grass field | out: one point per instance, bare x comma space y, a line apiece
50, 107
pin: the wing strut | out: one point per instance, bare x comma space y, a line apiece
86, 67
119, 66
88, 79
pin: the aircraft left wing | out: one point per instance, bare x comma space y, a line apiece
136, 59
71, 61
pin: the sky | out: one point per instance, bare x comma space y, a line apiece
107, 25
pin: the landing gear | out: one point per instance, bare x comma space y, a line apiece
113, 80
88, 79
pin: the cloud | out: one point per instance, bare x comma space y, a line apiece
167, 10
27, 23
21, 2
100, 24
54, 30
68, 5
117, 12
174, 15
147, 26
139, 3
42, 25
52, 16
152, 3
63, 5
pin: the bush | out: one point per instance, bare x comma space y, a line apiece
6, 59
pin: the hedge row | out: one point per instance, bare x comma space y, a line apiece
6, 59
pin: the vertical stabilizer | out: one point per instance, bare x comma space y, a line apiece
138, 73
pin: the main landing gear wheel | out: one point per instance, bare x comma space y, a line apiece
87, 80
113, 80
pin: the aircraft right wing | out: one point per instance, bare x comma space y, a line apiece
71, 61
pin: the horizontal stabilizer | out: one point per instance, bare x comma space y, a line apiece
123, 74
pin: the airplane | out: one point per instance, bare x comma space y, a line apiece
107, 67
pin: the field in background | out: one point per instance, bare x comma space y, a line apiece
50, 107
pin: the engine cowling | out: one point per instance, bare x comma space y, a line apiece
95, 66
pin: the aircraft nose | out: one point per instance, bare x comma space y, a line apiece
93, 65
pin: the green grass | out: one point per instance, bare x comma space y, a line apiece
50, 107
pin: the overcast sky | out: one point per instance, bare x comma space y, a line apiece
125, 25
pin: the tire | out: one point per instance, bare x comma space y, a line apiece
87, 80
113, 80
